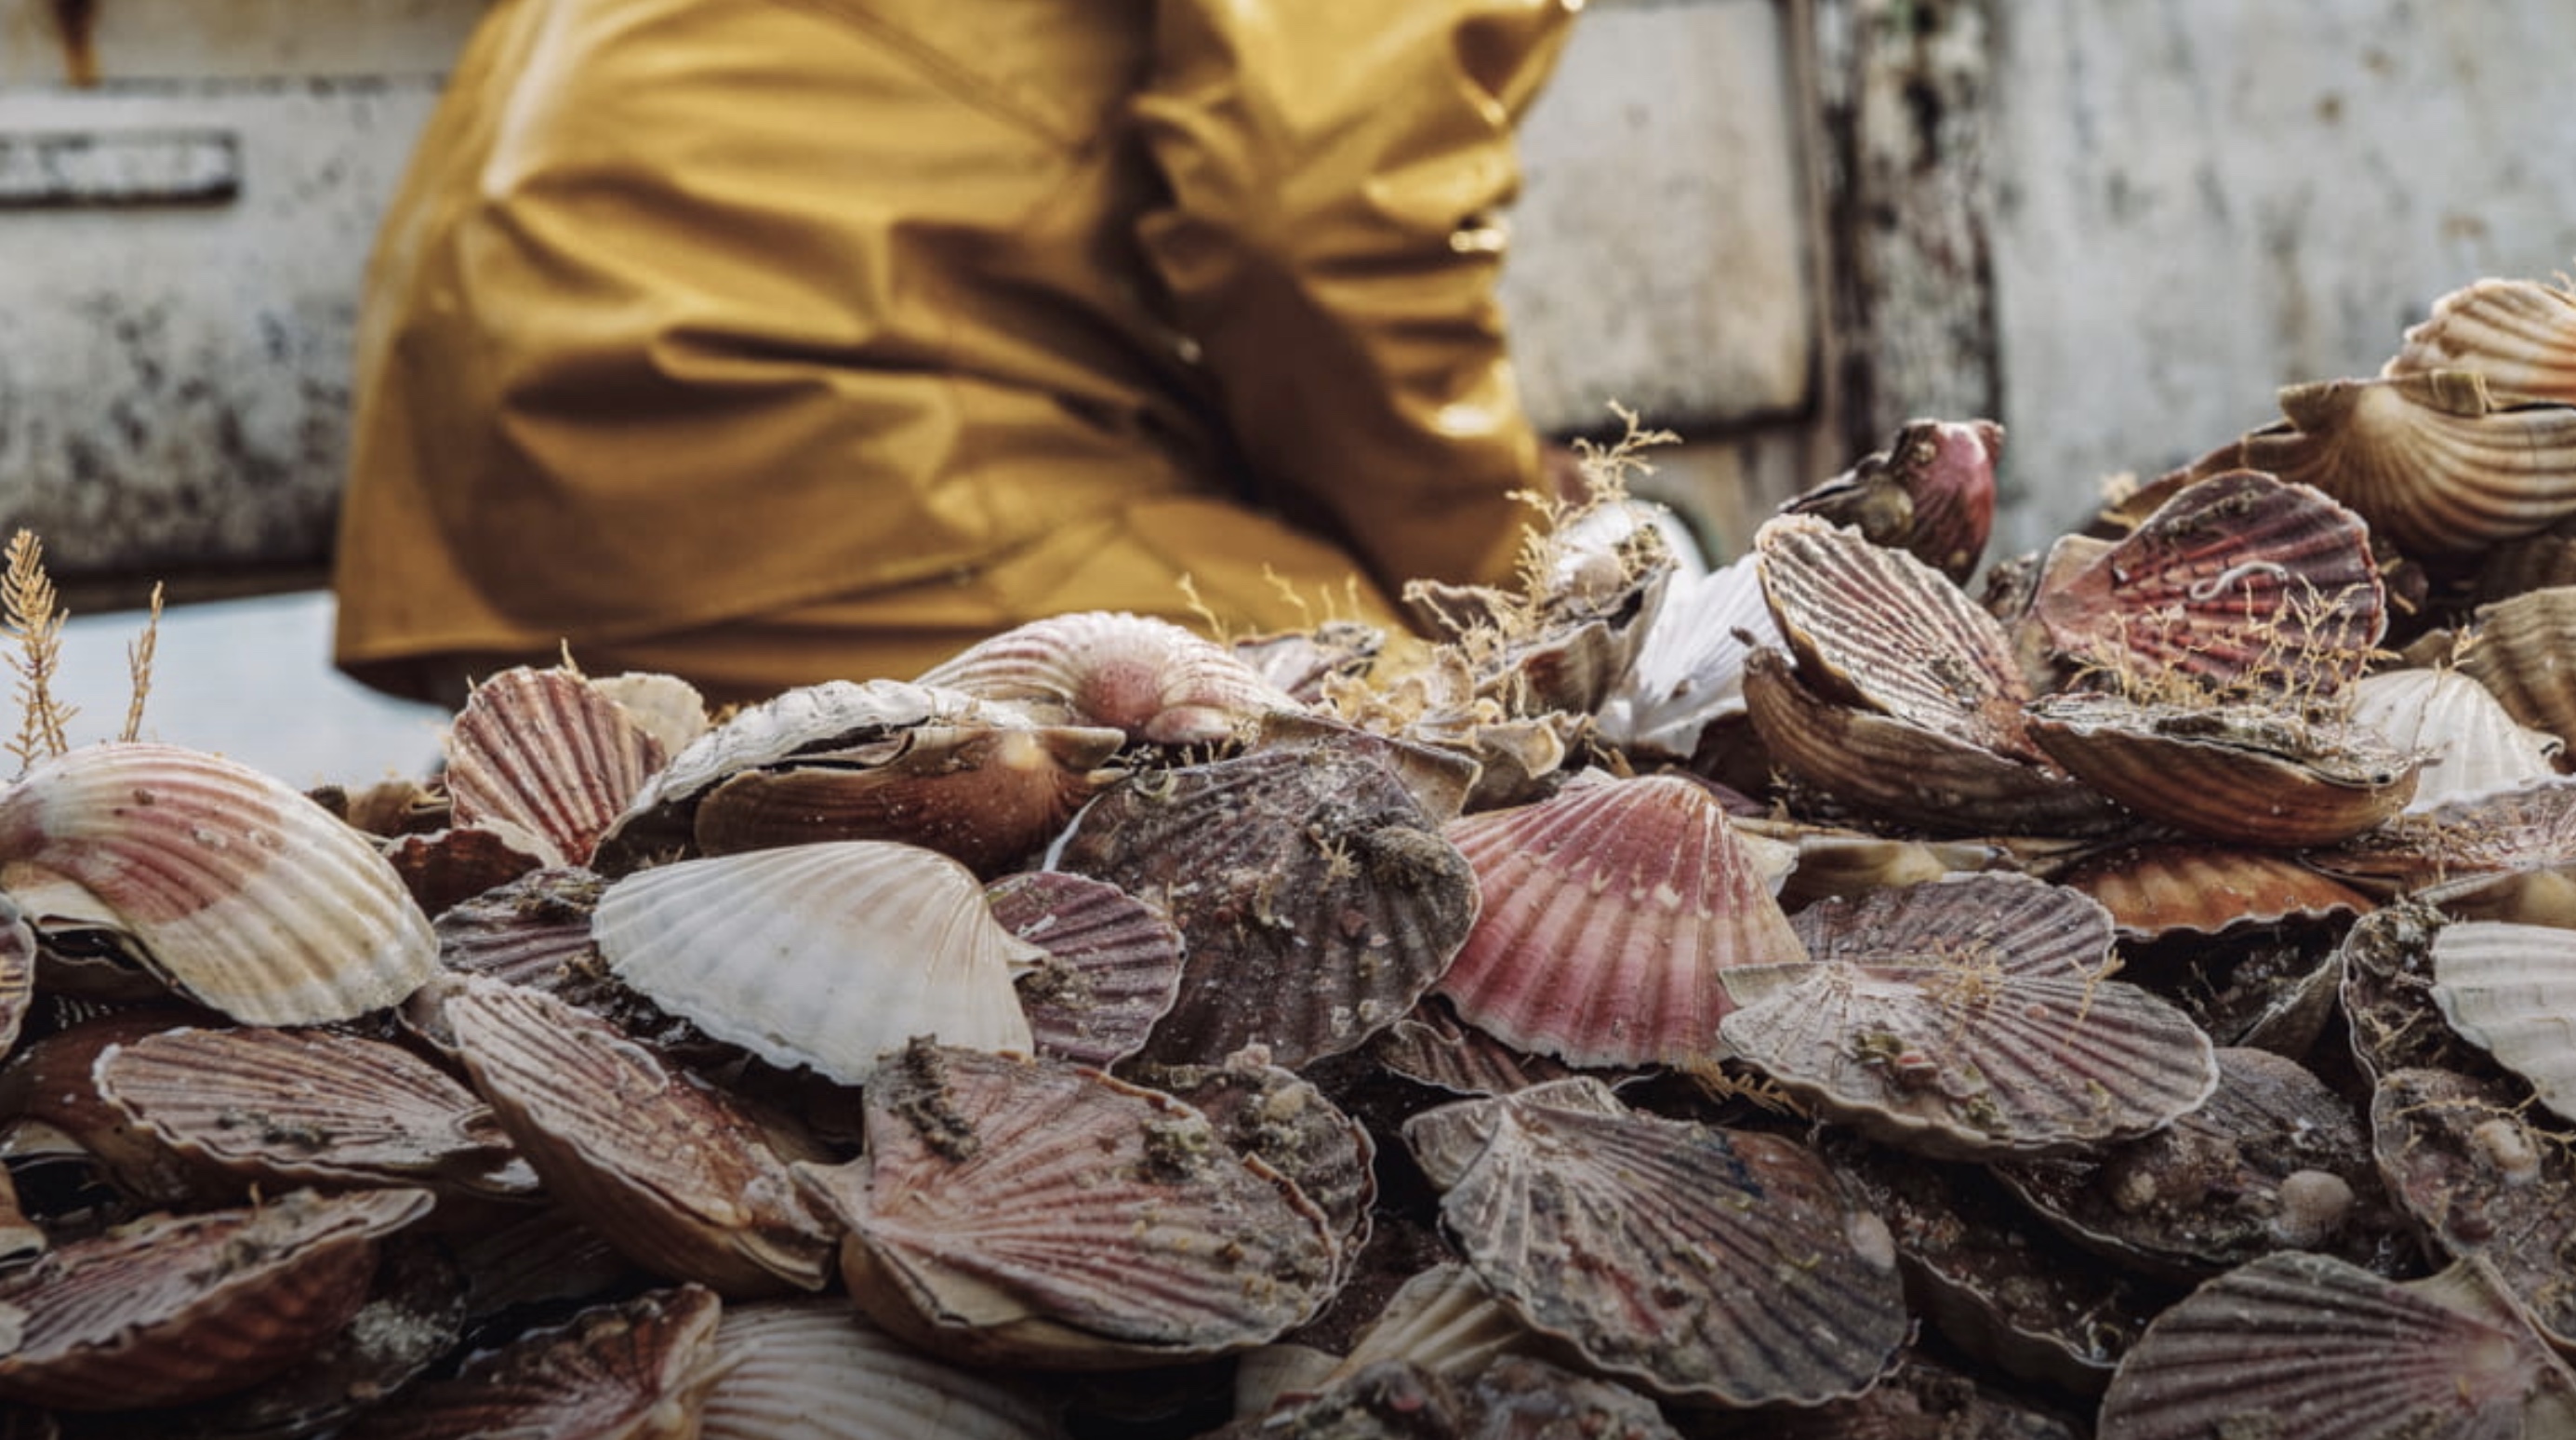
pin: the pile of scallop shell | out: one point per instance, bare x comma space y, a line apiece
1798, 998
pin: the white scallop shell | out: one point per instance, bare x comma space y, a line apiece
1148, 677
2476, 746
825, 955
821, 1370
2511, 989
1689, 670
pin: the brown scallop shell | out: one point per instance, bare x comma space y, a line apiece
1112, 966
2508, 856
2275, 1160
822, 1370
2542, 560
2386, 961
2519, 334
449, 867
1890, 771
543, 751
673, 1173
246, 896
1969, 1018
2511, 991
1312, 878
1149, 678
2436, 461
2237, 584
177, 1308
2474, 745
17, 970
1028, 1212
1271, 1115
1609, 912
2468, 1161
2521, 650
1879, 628
1705, 1264
50, 1085
2168, 887
635, 1370
2313, 1348
825, 955
2247, 774
311, 1107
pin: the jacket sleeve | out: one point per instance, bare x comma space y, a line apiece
1332, 245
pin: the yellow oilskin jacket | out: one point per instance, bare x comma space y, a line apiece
936, 314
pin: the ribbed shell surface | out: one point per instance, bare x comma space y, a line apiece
634, 1370
2156, 889
2475, 745
544, 751
2519, 334
2522, 654
2511, 990
1112, 966
821, 1370
1148, 677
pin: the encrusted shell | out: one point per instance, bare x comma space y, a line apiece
2473, 745
2519, 334
2483, 1177
1969, 1018
1112, 965
2238, 584
1134, 673
673, 1173
1311, 877
1271, 1115
1609, 912
544, 752
2321, 1349
634, 1370
822, 1370
177, 1308
825, 955
1021, 1211
2386, 963
2511, 990
1703, 1263
2507, 856
245, 895
2521, 654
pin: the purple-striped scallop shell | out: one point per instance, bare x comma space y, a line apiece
1930, 493
677, 1176
311, 1107
1888, 769
2438, 463
544, 753
2473, 743
1150, 678
1028, 1212
1112, 965
243, 894
1432, 1046
2519, 334
2483, 1176
1705, 1264
825, 955
1880, 628
1609, 913
821, 1370
2520, 653
1969, 1018
1512, 1395
2250, 774
634, 1370
2238, 584
2161, 888
1689, 670
1311, 877
178, 1308
2274, 1160
2508, 856
2309, 1347
2510, 990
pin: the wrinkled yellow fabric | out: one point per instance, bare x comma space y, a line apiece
889, 324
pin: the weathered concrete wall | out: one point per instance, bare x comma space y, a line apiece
2198, 201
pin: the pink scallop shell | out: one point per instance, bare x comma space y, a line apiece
1931, 493
543, 751
1112, 966
1608, 913
1147, 677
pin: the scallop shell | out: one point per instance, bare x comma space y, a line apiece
174, 1309
2437, 462
1442, 1320
1271, 1115
2475, 746
1028, 1212
311, 1107
675, 1175
1310, 664
1969, 1018
1643, 1243
1432, 1046
452, 866
1880, 628
2386, 961
824, 955
543, 751
17, 970
1311, 878
2520, 654
2511, 990
2321, 1349
2238, 584
820, 1370
2542, 560
1112, 966
2274, 1161
2166, 888
1149, 678
635, 1370
1903, 774
1931, 493
1689, 670
50, 1086
2508, 856
665, 707
2519, 334
2244, 774
2467, 1160
1609, 913
245, 895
